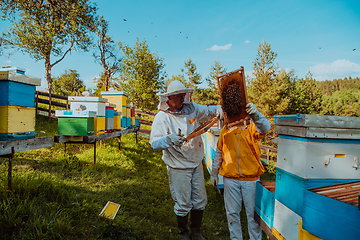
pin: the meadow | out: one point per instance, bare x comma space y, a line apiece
59, 195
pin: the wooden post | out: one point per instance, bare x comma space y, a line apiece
64, 148
36, 102
10, 169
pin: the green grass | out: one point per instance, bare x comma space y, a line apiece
57, 196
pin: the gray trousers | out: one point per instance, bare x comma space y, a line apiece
235, 192
187, 187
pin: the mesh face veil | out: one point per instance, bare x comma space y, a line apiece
175, 87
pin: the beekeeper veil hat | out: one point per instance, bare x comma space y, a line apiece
175, 87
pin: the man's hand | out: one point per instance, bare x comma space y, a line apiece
214, 177
175, 140
252, 111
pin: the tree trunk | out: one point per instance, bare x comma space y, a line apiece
48, 80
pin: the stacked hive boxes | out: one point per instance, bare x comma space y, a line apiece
132, 115
128, 116
118, 98
210, 139
109, 116
89, 111
313, 151
17, 104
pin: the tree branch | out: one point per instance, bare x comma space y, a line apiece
72, 44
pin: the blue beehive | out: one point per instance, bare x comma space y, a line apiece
17, 105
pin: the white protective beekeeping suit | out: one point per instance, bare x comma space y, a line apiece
184, 163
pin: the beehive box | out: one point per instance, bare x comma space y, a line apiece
99, 125
265, 201
331, 212
21, 78
210, 139
318, 126
15, 120
14, 69
109, 124
318, 157
288, 184
109, 110
74, 126
96, 104
225, 83
17, 94
117, 121
118, 98
123, 121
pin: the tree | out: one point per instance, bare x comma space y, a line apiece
307, 96
49, 28
270, 89
343, 103
215, 70
141, 75
68, 83
193, 77
107, 58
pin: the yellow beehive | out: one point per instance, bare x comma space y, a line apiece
116, 97
99, 125
117, 121
15, 119
123, 111
133, 121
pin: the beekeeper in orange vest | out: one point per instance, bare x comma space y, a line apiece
183, 159
237, 159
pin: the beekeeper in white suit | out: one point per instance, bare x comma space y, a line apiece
183, 159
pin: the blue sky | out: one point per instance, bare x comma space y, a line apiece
317, 36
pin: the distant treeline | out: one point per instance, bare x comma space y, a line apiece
328, 87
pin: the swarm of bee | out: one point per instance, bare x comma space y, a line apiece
232, 100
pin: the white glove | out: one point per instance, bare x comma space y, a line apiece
220, 113
252, 111
175, 140
214, 177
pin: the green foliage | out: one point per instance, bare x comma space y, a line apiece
141, 75
330, 86
44, 29
306, 96
193, 77
216, 70
107, 56
206, 96
342, 103
270, 89
68, 83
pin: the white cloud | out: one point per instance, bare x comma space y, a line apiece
218, 48
247, 41
341, 68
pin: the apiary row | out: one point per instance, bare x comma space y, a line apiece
87, 115
17, 104
96, 115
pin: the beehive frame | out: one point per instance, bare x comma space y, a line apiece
224, 81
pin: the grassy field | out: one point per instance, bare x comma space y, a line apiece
59, 196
